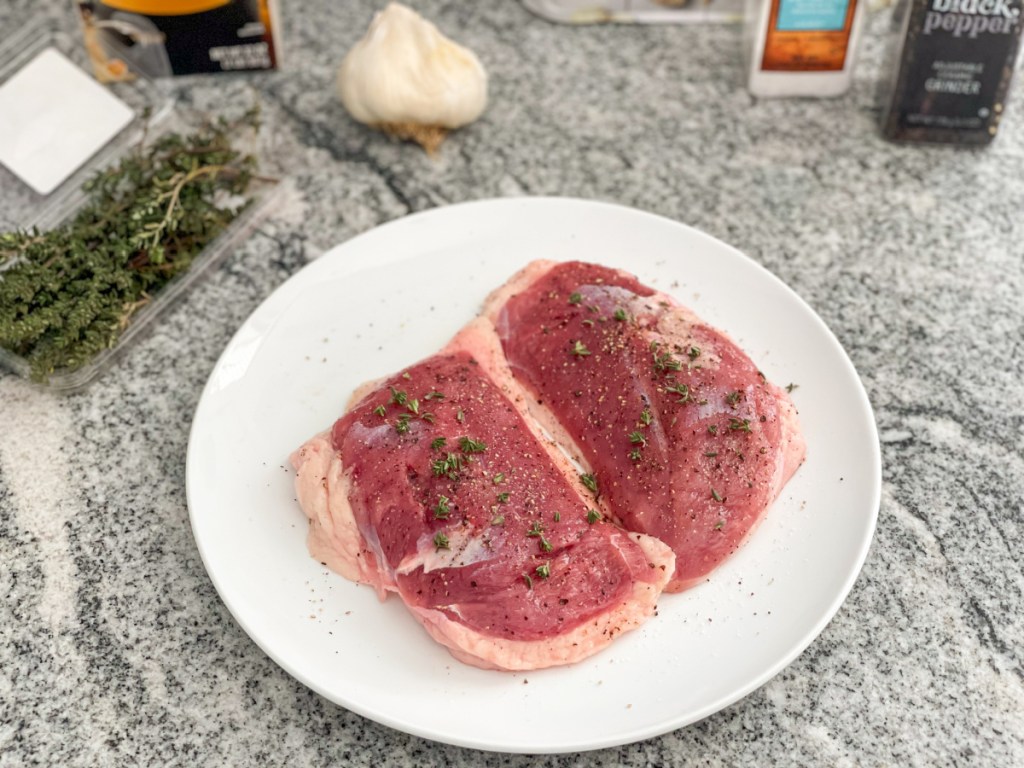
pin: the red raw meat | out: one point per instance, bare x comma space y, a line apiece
434, 485
688, 441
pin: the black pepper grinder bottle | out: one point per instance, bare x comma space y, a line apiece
953, 70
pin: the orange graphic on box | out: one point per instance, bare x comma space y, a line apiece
803, 50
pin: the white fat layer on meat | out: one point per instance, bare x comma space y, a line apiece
321, 486
490, 652
463, 549
675, 331
372, 436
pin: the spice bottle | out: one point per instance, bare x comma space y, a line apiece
954, 63
801, 47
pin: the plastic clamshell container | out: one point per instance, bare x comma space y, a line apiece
21, 207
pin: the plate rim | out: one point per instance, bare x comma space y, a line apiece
622, 737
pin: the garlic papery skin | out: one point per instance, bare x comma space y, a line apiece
408, 79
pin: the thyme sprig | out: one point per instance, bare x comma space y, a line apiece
68, 293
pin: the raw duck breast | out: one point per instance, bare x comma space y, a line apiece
434, 485
687, 440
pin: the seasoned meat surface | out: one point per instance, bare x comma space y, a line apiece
436, 485
687, 440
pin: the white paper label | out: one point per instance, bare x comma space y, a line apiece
53, 118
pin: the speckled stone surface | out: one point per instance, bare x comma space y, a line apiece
114, 647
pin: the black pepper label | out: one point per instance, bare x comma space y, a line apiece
954, 70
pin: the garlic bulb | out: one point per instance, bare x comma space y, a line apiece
409, 80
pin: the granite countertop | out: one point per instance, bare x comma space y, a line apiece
114, 646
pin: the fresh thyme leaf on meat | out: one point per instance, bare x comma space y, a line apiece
69, 293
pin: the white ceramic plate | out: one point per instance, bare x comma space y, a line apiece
387, 298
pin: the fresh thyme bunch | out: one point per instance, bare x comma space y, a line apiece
68, 293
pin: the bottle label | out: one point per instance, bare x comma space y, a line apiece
808, 35
954, 70
819, 15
